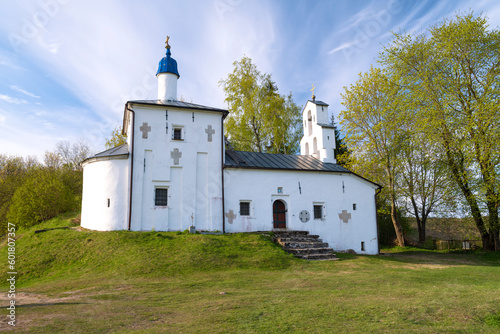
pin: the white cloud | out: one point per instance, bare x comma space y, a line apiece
10, 99
13, 87
342, 47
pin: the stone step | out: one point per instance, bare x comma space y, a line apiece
303, 245
312, 244
318, 257
308, 238
295, 233
304, 251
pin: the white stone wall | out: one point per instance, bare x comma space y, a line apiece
317, 141
193, 180
336, 192
105, 195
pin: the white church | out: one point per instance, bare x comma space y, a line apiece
174, 173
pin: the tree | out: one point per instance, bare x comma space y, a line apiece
117, 138
370, 118
52, 160
453, 75
341, 151
422, 181
13, 172
260, 119
73, 155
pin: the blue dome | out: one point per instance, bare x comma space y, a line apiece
168, 65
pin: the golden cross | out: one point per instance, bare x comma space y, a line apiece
312, 90
167, 46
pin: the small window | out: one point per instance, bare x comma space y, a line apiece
354, 206
318, 211
362, 246
244, 208
161, 196
177, 134
280, 190
109, 202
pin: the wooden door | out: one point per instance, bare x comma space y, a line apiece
279, 214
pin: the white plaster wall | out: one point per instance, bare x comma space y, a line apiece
102, 180
194, 192
167, 86
261, 188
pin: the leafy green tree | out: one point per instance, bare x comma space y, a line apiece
31, 192
452, 73
13, 172
423, 181
117, 138
42, 196
260, 119
370, 118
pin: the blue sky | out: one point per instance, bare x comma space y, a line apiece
68, 66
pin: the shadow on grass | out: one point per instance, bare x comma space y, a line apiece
452, 258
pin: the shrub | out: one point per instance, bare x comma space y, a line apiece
42, 196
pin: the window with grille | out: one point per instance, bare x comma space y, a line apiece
177, 134
161, 196
318, 211
244, 208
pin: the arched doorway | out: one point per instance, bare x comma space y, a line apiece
279, 214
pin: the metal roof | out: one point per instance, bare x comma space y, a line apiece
255, 160
324, 125
118, 152
319, 103
178, 104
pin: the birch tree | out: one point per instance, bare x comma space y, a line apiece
453, 74
260, 119
370, 121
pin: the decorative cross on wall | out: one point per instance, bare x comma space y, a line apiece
230, 216
209, 131
145, 129
176, 155
344, 216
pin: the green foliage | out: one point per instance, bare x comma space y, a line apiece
43, 195
371, 117
260, 119
341, 151
426, 125
451, 75
31, 192
117, 139
13, 171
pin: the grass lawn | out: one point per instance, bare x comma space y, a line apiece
72, 281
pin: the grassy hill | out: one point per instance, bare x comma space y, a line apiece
80, 253
79, 281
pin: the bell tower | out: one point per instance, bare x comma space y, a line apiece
319, 135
